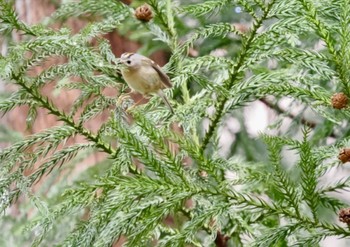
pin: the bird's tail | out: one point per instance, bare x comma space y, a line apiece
164, 98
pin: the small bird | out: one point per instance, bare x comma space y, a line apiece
145, 76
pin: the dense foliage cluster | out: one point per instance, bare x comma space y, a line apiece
224, 55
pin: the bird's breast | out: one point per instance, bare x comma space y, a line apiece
144, 80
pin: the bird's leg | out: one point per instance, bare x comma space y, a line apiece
122, 97
135, 104
126, 103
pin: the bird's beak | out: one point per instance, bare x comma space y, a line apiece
121, 64
119, 61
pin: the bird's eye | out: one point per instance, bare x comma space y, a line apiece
128, 62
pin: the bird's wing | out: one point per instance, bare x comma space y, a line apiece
165, 79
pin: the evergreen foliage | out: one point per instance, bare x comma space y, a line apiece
252, 194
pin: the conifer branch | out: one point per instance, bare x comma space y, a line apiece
325, 35
273, 209
234, 75
44, 102
166, 20
161, 146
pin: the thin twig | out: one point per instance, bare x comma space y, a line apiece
279, 110
303, 121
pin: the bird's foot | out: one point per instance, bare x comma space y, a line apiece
125, 101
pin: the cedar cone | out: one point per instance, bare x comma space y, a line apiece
344, 215
339, 100
344, 155
144, 13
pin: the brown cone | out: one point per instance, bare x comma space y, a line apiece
344, 155
339, 100
144, 13
344, 215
